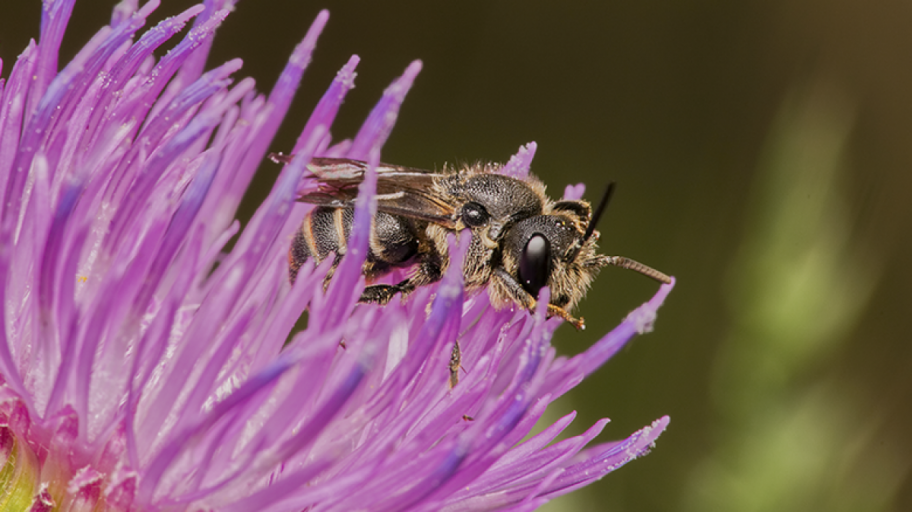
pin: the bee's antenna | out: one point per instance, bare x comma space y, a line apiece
606, 197
620, 261
636, 266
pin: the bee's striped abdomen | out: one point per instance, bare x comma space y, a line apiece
325, 231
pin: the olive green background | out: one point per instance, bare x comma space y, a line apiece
762, 151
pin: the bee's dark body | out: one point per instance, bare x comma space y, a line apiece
521, 240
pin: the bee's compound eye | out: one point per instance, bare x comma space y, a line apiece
535, 264
474, 215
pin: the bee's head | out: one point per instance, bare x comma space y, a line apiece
559, 250
552, 250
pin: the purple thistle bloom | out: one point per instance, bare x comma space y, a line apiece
142, 369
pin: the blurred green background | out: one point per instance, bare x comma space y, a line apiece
762, 151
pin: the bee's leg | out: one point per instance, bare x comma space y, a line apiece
379, 294
429, 271
519, 295
332, 270
578, 323
455, 364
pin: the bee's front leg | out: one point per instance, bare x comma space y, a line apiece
506, 285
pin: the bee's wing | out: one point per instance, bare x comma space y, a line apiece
400, 190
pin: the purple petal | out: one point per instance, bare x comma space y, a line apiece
574, 192
518, 166
267, 123
54, 18
15, 95
598, 463
639, 321
376, 129
329, 104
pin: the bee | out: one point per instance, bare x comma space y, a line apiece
521, 240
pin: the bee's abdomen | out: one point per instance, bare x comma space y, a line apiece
393, 240
325, 230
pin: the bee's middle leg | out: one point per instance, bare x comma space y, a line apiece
381, 293
429, 271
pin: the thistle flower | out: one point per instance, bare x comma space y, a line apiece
142, 369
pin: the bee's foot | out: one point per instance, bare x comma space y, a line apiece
579, 323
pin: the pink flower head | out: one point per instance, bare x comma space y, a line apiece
144, 369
